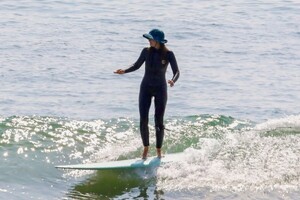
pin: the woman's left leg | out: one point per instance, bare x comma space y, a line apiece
160, 106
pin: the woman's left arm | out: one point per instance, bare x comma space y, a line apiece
174, 66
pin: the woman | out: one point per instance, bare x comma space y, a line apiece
157, 58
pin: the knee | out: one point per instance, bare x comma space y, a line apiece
159, 127
143, 123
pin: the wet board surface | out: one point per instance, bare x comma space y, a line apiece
126, 164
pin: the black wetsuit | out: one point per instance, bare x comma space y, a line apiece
154, 85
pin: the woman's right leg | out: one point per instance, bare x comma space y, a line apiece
144, 106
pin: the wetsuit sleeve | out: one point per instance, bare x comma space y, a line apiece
174, 66
138, 63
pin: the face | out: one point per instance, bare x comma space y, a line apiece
153, 43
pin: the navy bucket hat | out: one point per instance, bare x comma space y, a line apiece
157, 35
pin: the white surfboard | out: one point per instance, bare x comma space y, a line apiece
126, 164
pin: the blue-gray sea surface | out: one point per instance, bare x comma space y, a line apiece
234, 111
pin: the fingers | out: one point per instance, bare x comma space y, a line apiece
171, 83
119, 71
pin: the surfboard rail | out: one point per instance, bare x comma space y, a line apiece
125, 164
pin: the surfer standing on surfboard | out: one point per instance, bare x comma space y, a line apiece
154, 84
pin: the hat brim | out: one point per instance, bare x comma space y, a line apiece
149, 37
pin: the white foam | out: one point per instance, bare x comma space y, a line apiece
240, 161
286, 122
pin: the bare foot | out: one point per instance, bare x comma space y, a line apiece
158, 151
145, 153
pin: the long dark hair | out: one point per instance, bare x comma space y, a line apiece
163, 50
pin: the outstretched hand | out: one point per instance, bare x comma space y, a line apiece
171, 83
119, 71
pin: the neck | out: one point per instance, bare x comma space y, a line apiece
157, 45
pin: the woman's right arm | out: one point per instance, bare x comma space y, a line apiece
136, 65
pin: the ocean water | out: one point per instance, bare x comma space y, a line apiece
234, 111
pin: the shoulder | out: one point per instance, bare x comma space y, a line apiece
145, 50
170, 53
